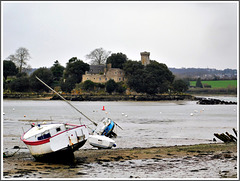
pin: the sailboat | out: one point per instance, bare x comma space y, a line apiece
50, 140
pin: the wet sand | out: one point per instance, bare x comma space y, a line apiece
192, 161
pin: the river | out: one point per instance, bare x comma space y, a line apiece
145, 124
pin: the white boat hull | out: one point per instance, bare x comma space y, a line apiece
67, 140
101, 141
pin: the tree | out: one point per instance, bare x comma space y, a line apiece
20, 84
199, 83
159, 77
67, 85
45, 75
111, 86
152, 79
73, 73
98, 56
130, 67
57, 71
88, 85
9, 69
117, 60
121, 88
180, 85
20, 58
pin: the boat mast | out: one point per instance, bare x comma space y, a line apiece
66, 100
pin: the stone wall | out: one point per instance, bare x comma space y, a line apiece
111, 73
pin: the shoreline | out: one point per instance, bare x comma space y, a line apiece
92, 97
23, 165
95, 97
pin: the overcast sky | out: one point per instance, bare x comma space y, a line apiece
179, 34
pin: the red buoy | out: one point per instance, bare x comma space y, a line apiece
103, 108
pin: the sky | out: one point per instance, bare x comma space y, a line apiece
178, 34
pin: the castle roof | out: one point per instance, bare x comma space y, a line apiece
96, 69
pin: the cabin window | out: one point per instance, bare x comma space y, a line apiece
40, 138
44, 136
58, 129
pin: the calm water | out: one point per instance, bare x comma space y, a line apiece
145, 124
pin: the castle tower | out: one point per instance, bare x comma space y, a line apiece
145, 58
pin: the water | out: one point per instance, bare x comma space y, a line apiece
145, 124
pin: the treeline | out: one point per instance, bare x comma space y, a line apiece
154, 78
205, 73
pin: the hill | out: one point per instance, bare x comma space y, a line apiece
205, 73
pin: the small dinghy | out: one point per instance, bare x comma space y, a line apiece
101, 141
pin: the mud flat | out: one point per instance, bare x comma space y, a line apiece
193, 161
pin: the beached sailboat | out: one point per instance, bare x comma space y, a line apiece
47, 140
105, 127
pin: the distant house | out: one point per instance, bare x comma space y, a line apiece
102, 74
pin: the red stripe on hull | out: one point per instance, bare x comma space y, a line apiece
36, 142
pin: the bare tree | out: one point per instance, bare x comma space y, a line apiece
98, 56
20, 58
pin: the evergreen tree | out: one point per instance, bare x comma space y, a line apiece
45, 75
117, 60
111, 86
73, 73
57, 71
9, 69
199, 83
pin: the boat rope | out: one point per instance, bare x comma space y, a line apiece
6, 156
66, 100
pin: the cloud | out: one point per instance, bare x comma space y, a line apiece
177, 34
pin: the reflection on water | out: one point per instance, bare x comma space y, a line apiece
144, 124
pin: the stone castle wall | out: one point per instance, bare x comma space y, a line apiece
111, 73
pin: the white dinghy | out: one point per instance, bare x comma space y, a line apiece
100, 141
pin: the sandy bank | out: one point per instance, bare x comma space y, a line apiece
23, 165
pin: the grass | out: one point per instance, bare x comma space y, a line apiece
218, 83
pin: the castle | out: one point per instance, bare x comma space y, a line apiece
103, 73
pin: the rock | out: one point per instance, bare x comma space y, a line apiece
81, 173
194, 170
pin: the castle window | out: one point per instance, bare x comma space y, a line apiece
105, 78
99, 78
120, 78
